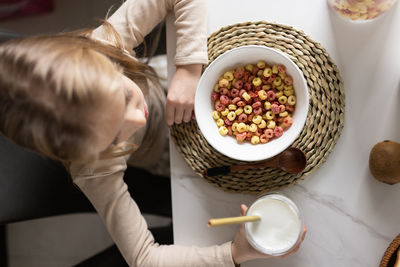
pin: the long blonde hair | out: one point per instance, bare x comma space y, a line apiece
52, 85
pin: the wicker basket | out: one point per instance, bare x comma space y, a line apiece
390, 256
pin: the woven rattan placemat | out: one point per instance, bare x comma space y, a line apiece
325, 116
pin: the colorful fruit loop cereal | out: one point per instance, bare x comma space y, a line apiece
361, 9
254, 103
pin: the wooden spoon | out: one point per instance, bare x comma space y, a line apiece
292, 160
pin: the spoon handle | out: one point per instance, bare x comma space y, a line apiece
214, 171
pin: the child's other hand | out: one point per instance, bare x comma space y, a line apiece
180, 99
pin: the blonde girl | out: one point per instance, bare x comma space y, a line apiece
83, 99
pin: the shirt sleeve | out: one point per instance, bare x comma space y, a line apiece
136, 18
102, 182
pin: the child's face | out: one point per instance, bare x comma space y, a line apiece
125, 114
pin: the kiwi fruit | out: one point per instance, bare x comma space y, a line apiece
384, 162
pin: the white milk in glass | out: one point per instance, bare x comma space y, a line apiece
280, 227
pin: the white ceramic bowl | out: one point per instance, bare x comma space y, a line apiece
204, 107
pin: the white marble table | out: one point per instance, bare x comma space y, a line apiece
351, 218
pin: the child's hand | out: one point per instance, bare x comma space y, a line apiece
242, 251
180, 99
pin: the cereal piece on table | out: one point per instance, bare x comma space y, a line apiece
252, 127
261, 64
257, 81
262, 124
291, 100
225, 112
271, 124
257, 119
247, 109
278, 131
232, 116
283, 99
255, 139
220, 122
238, 111
223, 130
262, 94
232, 107
216, 115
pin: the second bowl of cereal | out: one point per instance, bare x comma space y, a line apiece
251, 103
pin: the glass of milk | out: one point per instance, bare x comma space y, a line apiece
280, 228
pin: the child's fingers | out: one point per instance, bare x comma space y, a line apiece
187, 116
170, 113
179, 111
243, 209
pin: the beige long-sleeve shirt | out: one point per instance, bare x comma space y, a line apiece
102, 181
